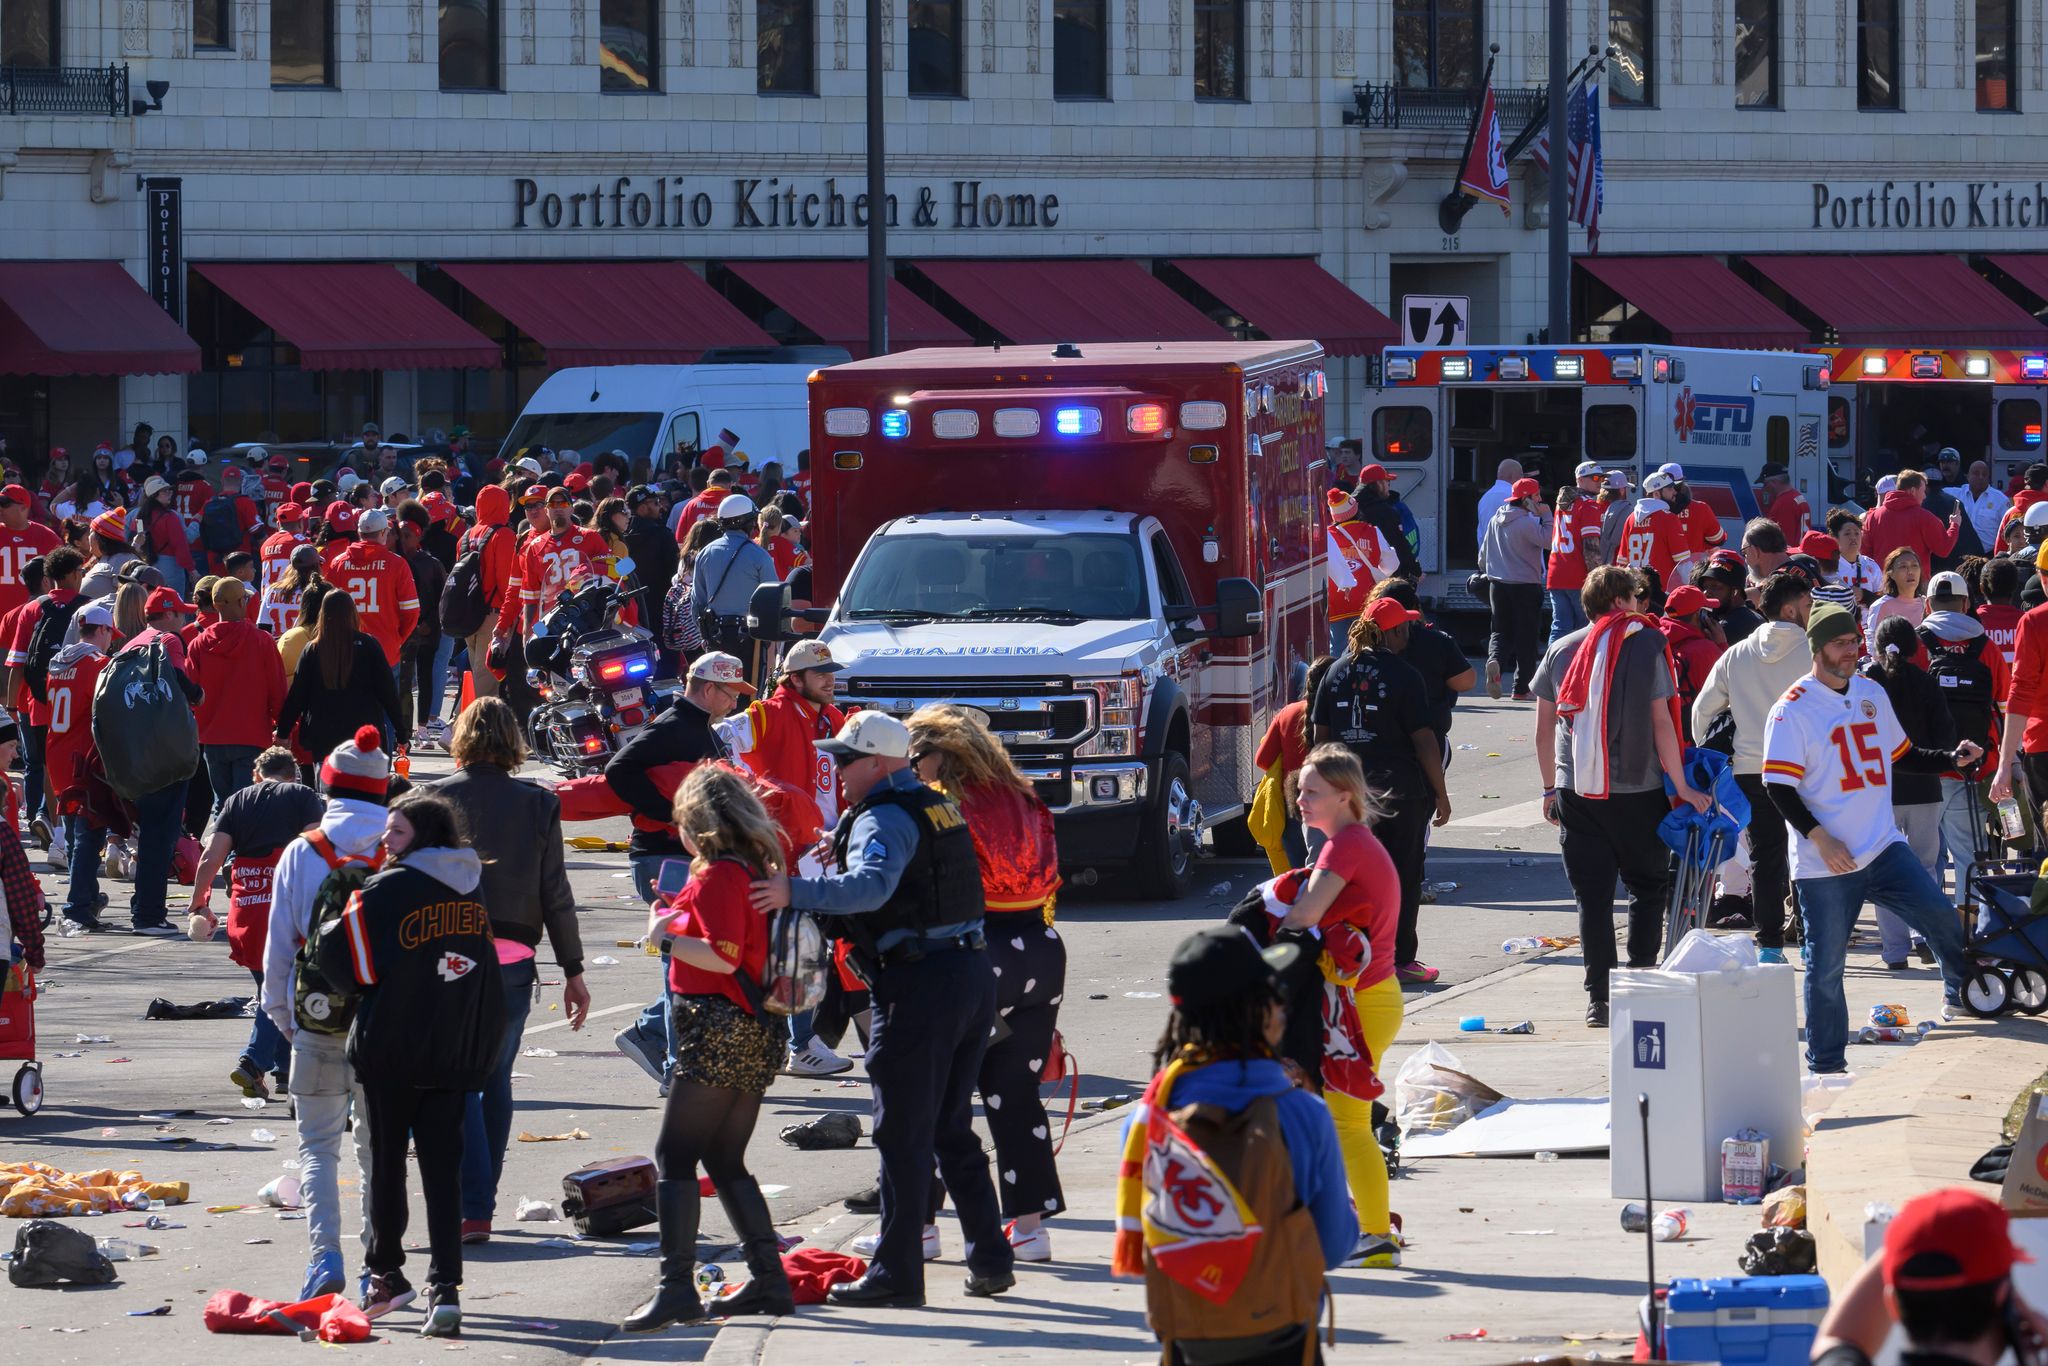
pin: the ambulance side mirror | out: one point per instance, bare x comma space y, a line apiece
1240, 610
767, 613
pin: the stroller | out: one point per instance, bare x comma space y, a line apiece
1703, 840
18, 1034
2008, 939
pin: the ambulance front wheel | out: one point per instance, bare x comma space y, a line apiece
28, 1088
1173, 826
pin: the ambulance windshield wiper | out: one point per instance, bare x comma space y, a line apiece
1028, 613
899, 614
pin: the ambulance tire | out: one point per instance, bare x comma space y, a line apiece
1165, 865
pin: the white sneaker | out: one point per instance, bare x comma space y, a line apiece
1373, 1251
869, 1243
59, 858
41, 831
816, 1059
1035, 1246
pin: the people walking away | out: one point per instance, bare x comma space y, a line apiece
1829, 748
1999, 583
40, 630
380, 582
1354, 884
354, 781
1607, 739
1575, 547
908, 897
250, 833
1783, 503
516, 828
159, 813
726, 574
2023, 748
1380, 507
953, 750
1695, 643
236, 665
682, 735
416, 942
1724, 579
1512, 556
491, 542
726, 1051
78, 792
1916, 797
1266, 1145
1899, 521
1374, 704
1502, 489
1904, 571
1744, 684
1972, 679
1943, 1281
1359, 557
1983, 507
342, 684
1653, 538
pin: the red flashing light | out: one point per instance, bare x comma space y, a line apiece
1397, 448
593, 744
1146, 419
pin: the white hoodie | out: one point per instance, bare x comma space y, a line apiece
1747, 681
355, 828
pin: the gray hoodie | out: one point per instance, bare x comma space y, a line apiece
1747, 681
1516, 547
354, 828
1952, 625
458, 869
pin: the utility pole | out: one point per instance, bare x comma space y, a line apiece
1560, 162
878, 191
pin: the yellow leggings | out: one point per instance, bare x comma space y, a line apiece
1365, 1167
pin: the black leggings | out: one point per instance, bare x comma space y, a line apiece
431, 1123
707, 1125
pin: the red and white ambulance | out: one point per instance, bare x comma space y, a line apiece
1886, 403
1113, 551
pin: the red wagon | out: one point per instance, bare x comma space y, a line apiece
18, 1036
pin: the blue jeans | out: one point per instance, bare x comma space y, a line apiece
1896, 881
35, 742
434, 681
229, 768
173, 572
88, 842
1567, 613
487, 1114
802, 1028
266, 1050
159, 821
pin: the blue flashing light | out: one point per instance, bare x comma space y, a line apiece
896, 422
2034, 367
1067, 421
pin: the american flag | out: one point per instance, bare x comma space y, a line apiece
1585, 175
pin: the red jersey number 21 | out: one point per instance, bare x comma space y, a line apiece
1866, 766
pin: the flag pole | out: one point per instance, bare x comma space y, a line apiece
1450, 213
1560, 312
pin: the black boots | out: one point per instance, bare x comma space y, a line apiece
767, 1289
675, 1299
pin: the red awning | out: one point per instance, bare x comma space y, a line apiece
86, 318
2030, 271
355, 316
1902, 300
1055, 301
831, 299
1293, 297
610, 312
1699, 301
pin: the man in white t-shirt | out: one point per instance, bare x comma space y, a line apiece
1829, 747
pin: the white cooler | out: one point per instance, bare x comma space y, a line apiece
1715, 1052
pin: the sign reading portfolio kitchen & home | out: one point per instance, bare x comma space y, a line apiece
1921, 205
764, 202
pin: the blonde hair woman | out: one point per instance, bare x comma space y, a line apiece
725, 1053
1020, 873
1354, 885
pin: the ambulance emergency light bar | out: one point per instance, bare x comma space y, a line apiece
1145, 418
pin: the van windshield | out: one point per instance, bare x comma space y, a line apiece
1089, 577
590, 433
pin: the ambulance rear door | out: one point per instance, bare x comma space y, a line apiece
2016, 418
1405, 431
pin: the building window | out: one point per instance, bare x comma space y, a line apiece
783, 60
1437, 44
1631, 32
628, 46
28, 33
1219, 49
302, 43
213, 24
1997, 40
469, 44
1080, 50
1877, 54
1756, 54
935, 47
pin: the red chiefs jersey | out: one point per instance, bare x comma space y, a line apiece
1571, 531
276, 489
1703, 530
275, 557
1359, 558
191, 497
1653, 538
387, 600
548, 562
23, 634
777, 738
72, 680
1793, 515
17, 548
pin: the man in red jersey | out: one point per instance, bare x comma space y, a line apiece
1703, 531
21, 540
1654, 539
276, 551
1784, 503
378, 578
1574, 548
548, 561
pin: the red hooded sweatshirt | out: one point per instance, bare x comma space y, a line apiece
1899, 521
237, 666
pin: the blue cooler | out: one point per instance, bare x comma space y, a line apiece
1765, 1320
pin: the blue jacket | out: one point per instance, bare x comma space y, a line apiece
877, 851
1311, 1141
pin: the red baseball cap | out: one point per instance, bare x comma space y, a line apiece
342, 517
163, 600
438, 507
1386, 614
576, 481
1375, 474
1525, 488
1820, 545
1684, 601
290, 512
16, 495
1946, 1239
301, 493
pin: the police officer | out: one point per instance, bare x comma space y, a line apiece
726, 574
908, 900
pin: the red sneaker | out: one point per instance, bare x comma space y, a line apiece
1416, 974
476, 1230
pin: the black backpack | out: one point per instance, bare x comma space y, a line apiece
53, 619
464, 604
220, 528
1958, 667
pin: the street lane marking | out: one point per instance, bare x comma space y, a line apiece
564, 1024
1504, 818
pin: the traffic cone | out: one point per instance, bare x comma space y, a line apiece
468, 694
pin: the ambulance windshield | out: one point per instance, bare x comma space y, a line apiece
1061, 578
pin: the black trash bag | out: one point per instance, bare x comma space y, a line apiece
1778, 1252
827, 1131
226, 1008
49, 1253
1992, 1166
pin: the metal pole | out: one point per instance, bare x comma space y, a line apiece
878, 193
1560, 160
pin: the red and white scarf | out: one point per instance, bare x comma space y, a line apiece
1587, 691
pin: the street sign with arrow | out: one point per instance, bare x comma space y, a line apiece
1434, 319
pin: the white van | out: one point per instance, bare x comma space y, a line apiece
666, 411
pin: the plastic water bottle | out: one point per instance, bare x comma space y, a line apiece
121, 1250
1527, 943
2010, 821
1473, 1024
1670, 1225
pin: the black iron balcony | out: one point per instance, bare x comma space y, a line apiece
1393, 106
90, 90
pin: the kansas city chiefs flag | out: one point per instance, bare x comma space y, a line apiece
1486, 170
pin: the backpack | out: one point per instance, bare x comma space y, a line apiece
318, 1004
465, 605
142, 722
220, 527
793, 975
53, 619
1958, 667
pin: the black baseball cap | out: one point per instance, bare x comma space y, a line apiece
1805, 566
1222, 962
640, 493
1771, 471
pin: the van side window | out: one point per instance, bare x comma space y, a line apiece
1610, 432
1778, 440
1173, 589
686, 436
1401, 434
1838, 424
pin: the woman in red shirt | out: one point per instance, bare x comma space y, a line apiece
1354, 885
1286, 740
725, 1053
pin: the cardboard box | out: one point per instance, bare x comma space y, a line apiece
2026, 1180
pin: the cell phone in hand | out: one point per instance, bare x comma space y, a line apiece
673, 876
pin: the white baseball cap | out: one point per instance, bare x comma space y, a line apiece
735, 505
1658, 482
372, 522
1588, 469
96, 613
1676, 471
810, 654
1947, 584
392, 485
1887, 483
1617, 479
869, 733
723, 669
529, 464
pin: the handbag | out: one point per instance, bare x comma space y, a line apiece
1060, 1066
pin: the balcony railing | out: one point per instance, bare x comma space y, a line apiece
91, 90
1393, 106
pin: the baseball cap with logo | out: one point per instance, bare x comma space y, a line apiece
723, 669
1221, 963
342, 517
1386, 614
1675, 470
1375, 474
1684, 600
1947, 584
1948, 1239
810, 654
1525, 488
392, 485
14, 495
163, 600
1589, 469
868, 733
1658, 482
533, 495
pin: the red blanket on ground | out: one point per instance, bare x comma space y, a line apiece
332, 1317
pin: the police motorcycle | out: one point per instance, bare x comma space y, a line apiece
594, 674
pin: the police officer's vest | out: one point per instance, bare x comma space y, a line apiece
942, 883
